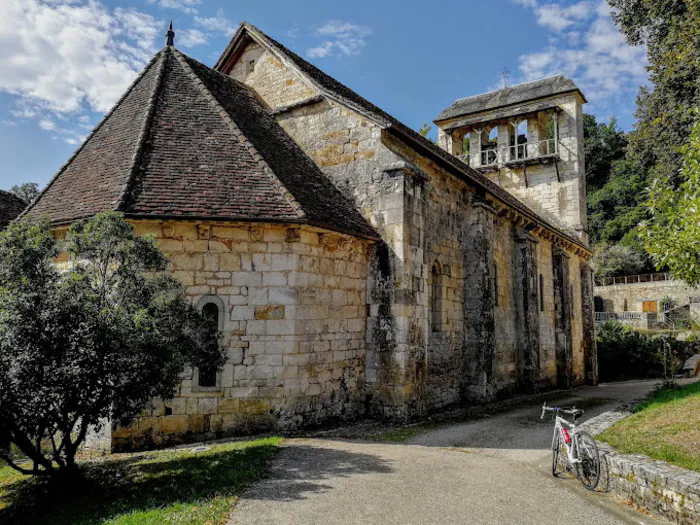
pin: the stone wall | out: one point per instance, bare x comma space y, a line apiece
629, 297
294, 325
652, 485
435, 228
277, 85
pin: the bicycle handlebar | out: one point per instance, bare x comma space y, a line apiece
572, 411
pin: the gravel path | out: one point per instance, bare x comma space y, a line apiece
489, 471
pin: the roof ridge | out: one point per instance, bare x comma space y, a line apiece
91, 134
143, 133
284, 51
509, 87
226, 117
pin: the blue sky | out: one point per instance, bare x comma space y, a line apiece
65, 62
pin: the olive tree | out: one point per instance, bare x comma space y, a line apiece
88, 337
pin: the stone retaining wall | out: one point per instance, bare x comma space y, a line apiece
665, 490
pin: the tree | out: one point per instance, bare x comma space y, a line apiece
610, 261
604, 144
672, 235
27, 191
90, 342
425, 129
671, 31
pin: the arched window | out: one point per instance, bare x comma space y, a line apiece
519, 140
213, 312
489, 146
436, 300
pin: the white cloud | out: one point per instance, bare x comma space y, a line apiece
190, 38
186, 6
559, 18
69, 55
47, 124
68, 135
217, 23
592, 51
321, 51
62, 59
343, 38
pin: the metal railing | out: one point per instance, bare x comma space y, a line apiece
617, 316
632, 279
501, 155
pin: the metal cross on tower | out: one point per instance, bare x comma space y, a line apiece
505, 77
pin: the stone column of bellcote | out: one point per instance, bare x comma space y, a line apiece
526, 311
479, 353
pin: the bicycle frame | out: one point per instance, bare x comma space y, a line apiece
571, 451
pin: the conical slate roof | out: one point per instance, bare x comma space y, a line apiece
188, 142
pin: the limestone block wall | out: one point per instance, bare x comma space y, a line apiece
276, 84
548, 357
427, 219
629, 297
294, 325
505, 315
575, 290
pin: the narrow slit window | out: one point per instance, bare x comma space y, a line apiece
541, 293
436, 301
495, 283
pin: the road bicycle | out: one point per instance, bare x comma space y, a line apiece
576, 447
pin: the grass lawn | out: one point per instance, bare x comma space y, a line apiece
175, 486
666, 426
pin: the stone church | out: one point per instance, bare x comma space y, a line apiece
356, 268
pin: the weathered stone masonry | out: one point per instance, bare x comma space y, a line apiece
293, 322
435, 227
357, 269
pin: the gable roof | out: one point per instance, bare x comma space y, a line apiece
10, 207
188, 142
510, 95
335, 90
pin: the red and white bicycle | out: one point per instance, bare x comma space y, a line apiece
572, 448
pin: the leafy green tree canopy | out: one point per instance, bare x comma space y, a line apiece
671, 31
672, 235
27, 191
88, 340
617, 260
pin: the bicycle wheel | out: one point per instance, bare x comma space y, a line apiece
556, 455
588, 470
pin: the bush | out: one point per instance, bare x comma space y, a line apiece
94, 340
625, 353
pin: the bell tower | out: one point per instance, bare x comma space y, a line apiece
528, 139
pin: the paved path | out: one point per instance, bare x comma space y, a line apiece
490, 471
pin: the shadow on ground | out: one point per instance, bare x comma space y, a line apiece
300, 470
116, 487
